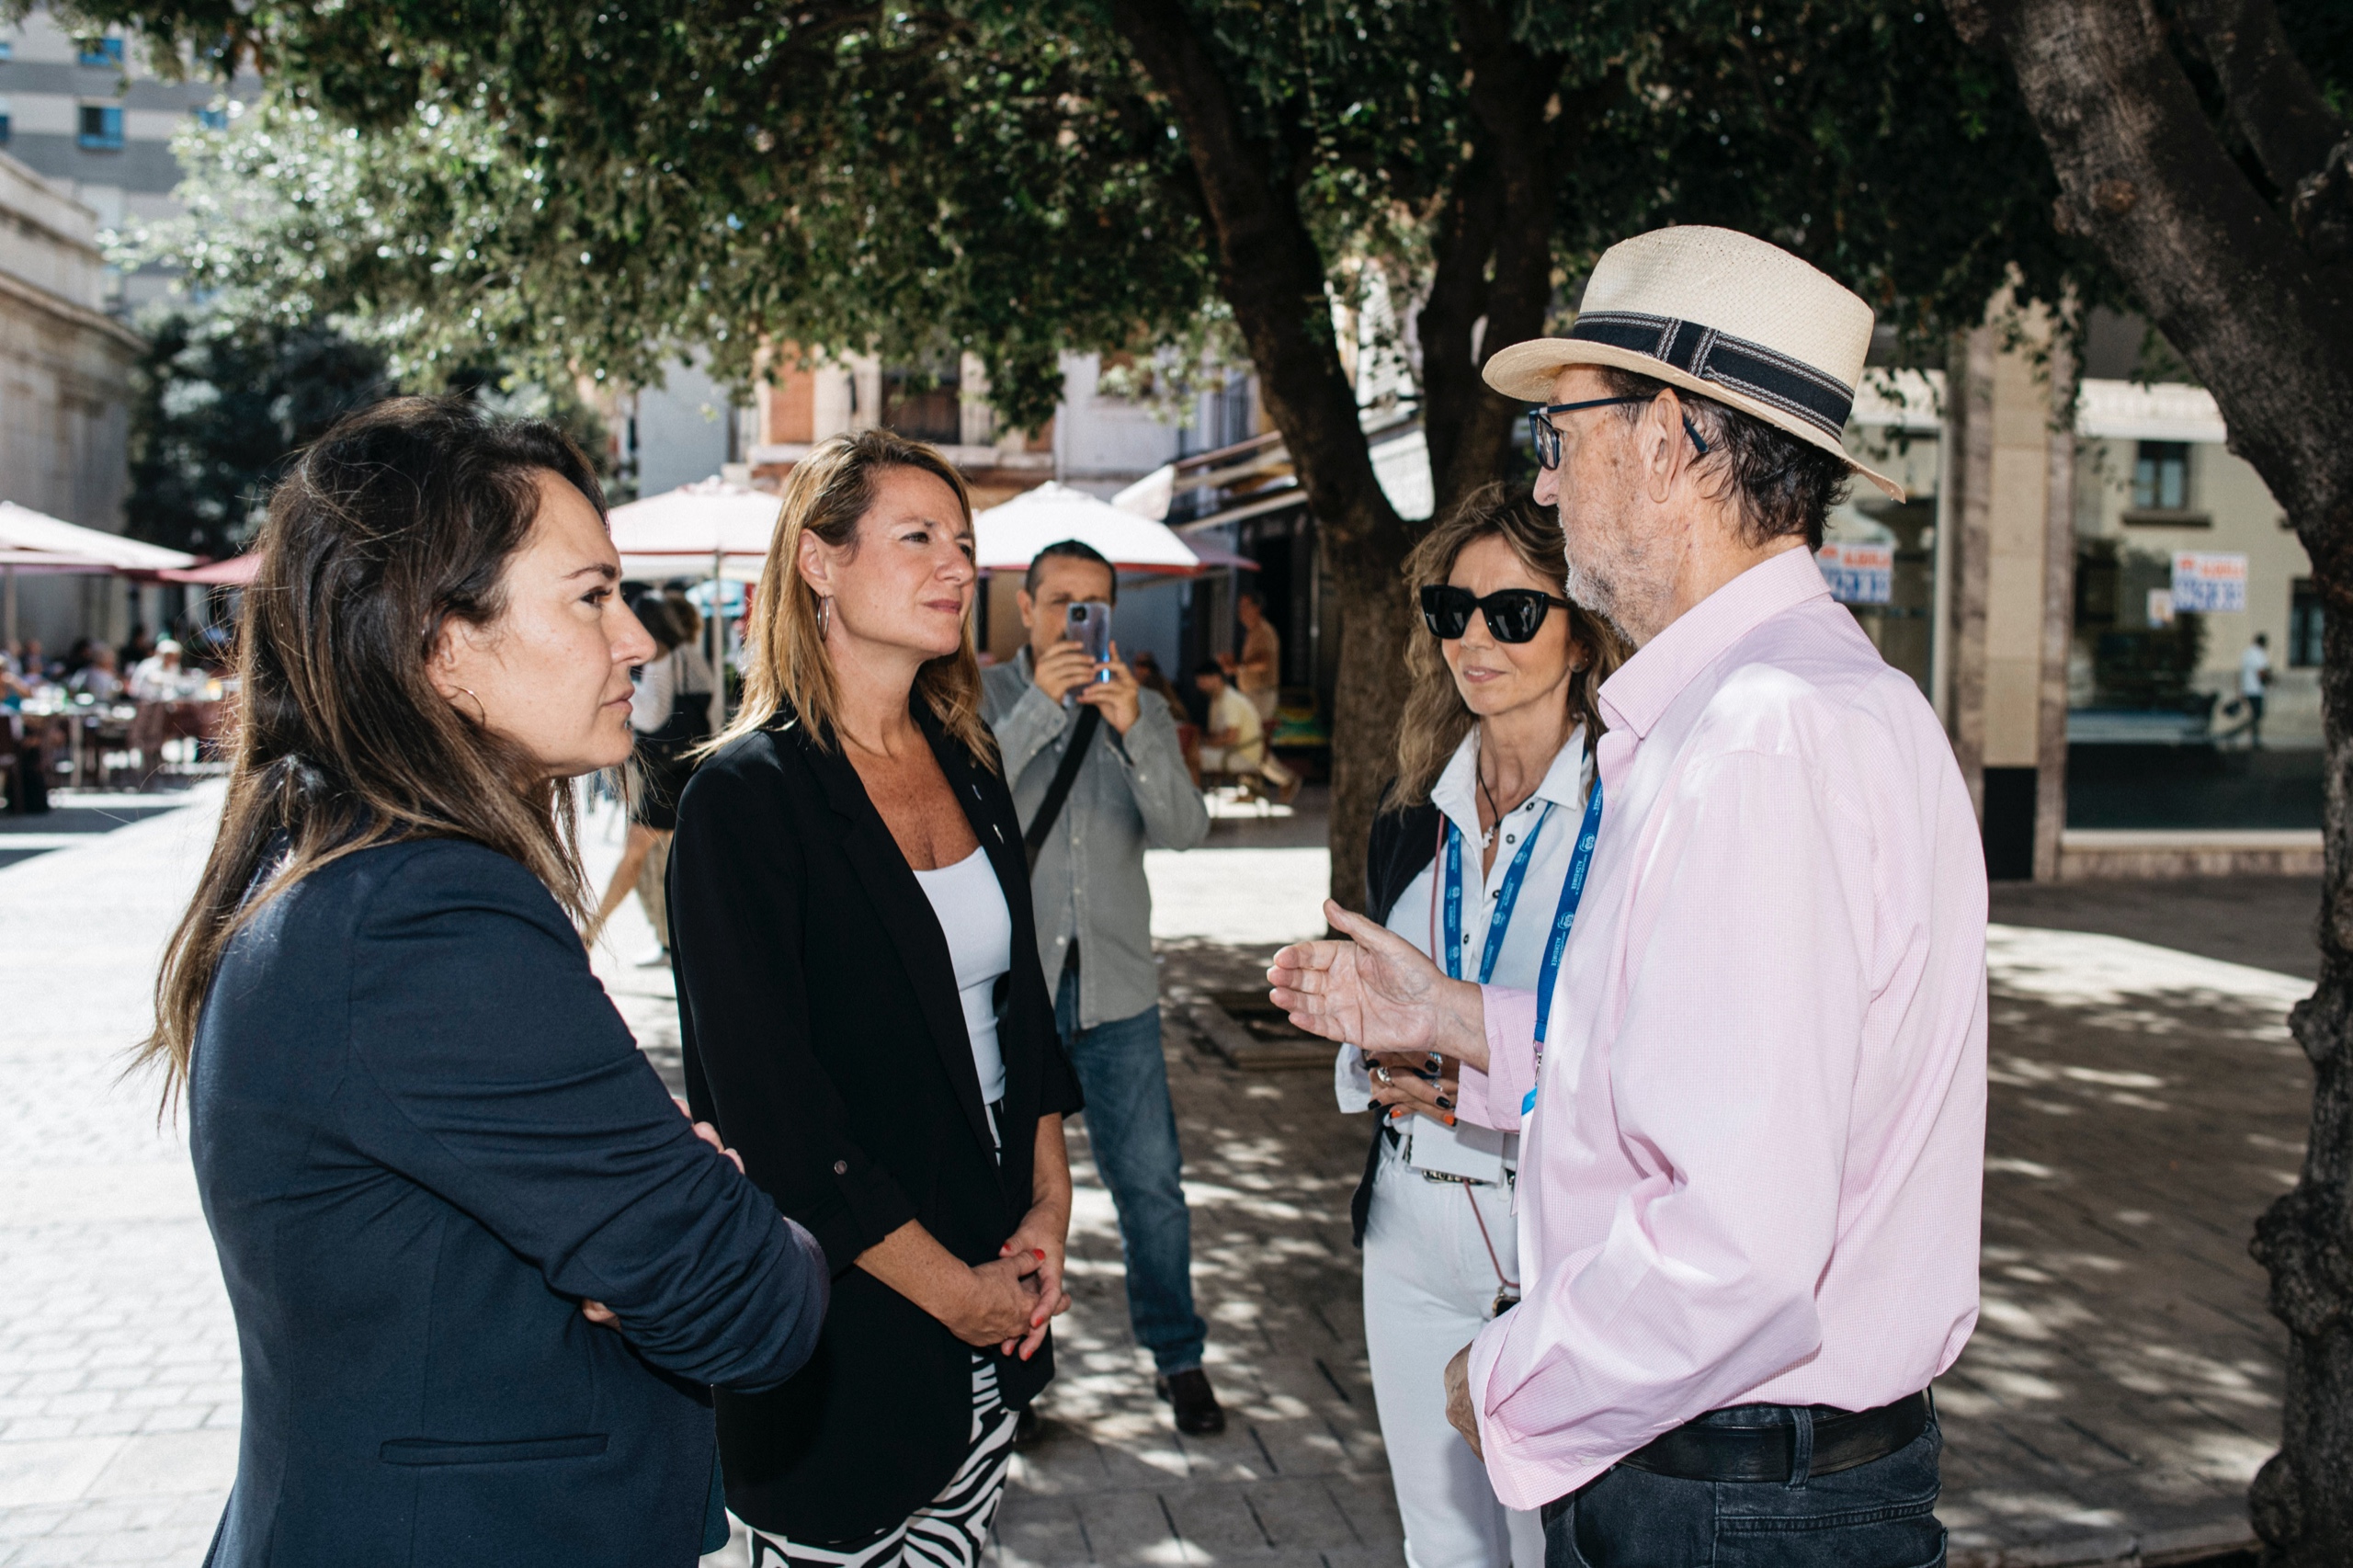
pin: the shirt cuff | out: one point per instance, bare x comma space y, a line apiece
1352, 1085
1492, 1098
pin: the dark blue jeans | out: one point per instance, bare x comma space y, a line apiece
1881, 1515
1132, 1129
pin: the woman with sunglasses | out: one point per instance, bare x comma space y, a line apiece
1472, 854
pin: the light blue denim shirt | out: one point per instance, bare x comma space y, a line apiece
1132, 793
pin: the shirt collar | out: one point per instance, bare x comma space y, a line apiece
1633, 699
1456, 793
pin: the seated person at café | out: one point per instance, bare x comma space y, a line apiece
98, 679
160, 678
1236, 741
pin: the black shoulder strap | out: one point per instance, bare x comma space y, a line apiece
1050, 808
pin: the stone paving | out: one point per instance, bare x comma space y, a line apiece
2124, 1384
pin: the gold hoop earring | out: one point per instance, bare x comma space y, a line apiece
483, 722
825, 615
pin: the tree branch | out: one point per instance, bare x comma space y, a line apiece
1272, 276
2271, 97
1506, 206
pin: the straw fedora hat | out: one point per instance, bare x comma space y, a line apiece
1720, 313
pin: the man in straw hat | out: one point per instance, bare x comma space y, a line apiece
1752, 1099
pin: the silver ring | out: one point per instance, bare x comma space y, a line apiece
1381, 1076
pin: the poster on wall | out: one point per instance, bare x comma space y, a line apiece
1859, 573
2208, 582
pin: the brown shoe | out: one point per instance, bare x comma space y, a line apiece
1197, 1411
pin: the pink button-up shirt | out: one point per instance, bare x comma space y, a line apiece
1753, 1170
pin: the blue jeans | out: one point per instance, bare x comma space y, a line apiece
1133, 1131
1881, 1515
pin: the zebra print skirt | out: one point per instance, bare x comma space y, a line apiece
947, 1532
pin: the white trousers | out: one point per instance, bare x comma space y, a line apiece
1428, 1289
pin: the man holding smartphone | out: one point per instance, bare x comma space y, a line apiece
1089, 823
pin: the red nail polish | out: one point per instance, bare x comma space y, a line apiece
1040, 1252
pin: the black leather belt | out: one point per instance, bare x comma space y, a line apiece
1702, 1450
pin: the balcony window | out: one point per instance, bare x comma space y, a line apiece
4, 122
99, 52
2161, 477
101, 127
924, 405
2304, 625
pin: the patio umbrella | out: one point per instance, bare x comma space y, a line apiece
71, 547
1007, 537
31, 541
713, 526
237, 572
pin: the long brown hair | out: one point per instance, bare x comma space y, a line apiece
402, 519
1435, 718
785, 661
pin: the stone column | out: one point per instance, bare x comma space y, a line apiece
2058, 616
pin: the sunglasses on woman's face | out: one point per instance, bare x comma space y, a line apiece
1514, 615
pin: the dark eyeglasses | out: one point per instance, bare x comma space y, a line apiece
1514, 615
1546, 436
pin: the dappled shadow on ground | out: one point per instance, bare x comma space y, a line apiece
2122, 1389
2145, 1106
1299, 1477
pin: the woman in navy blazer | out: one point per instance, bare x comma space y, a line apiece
483, 1271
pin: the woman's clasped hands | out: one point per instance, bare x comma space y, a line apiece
1035, 1252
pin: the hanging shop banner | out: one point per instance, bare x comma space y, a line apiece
1859, 573
2208, 582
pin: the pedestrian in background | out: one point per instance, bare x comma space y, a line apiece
865, 1018
1471, 859
670, 722
481, 1267
1098, 778
2254, 681
1258, 672
1753, 1116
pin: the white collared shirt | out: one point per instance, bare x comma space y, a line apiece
1558, 805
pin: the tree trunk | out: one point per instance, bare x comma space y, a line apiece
2268, 327
1273, 276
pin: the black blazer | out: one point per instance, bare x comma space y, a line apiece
421, 1135
1403, 840
823, 1035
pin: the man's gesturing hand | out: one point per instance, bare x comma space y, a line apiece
1378, 992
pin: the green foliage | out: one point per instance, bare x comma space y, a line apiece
223, 403
596, 190
601, 191
218, 408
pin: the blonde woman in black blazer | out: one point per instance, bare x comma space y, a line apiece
826, 1037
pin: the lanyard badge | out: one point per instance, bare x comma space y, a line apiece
1564, 918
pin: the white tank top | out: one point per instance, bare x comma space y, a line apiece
979, 929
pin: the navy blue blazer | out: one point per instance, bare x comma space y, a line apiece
423, 1136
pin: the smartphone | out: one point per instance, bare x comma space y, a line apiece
1087, 622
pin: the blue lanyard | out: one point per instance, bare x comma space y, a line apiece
1506, 897
1572, 895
